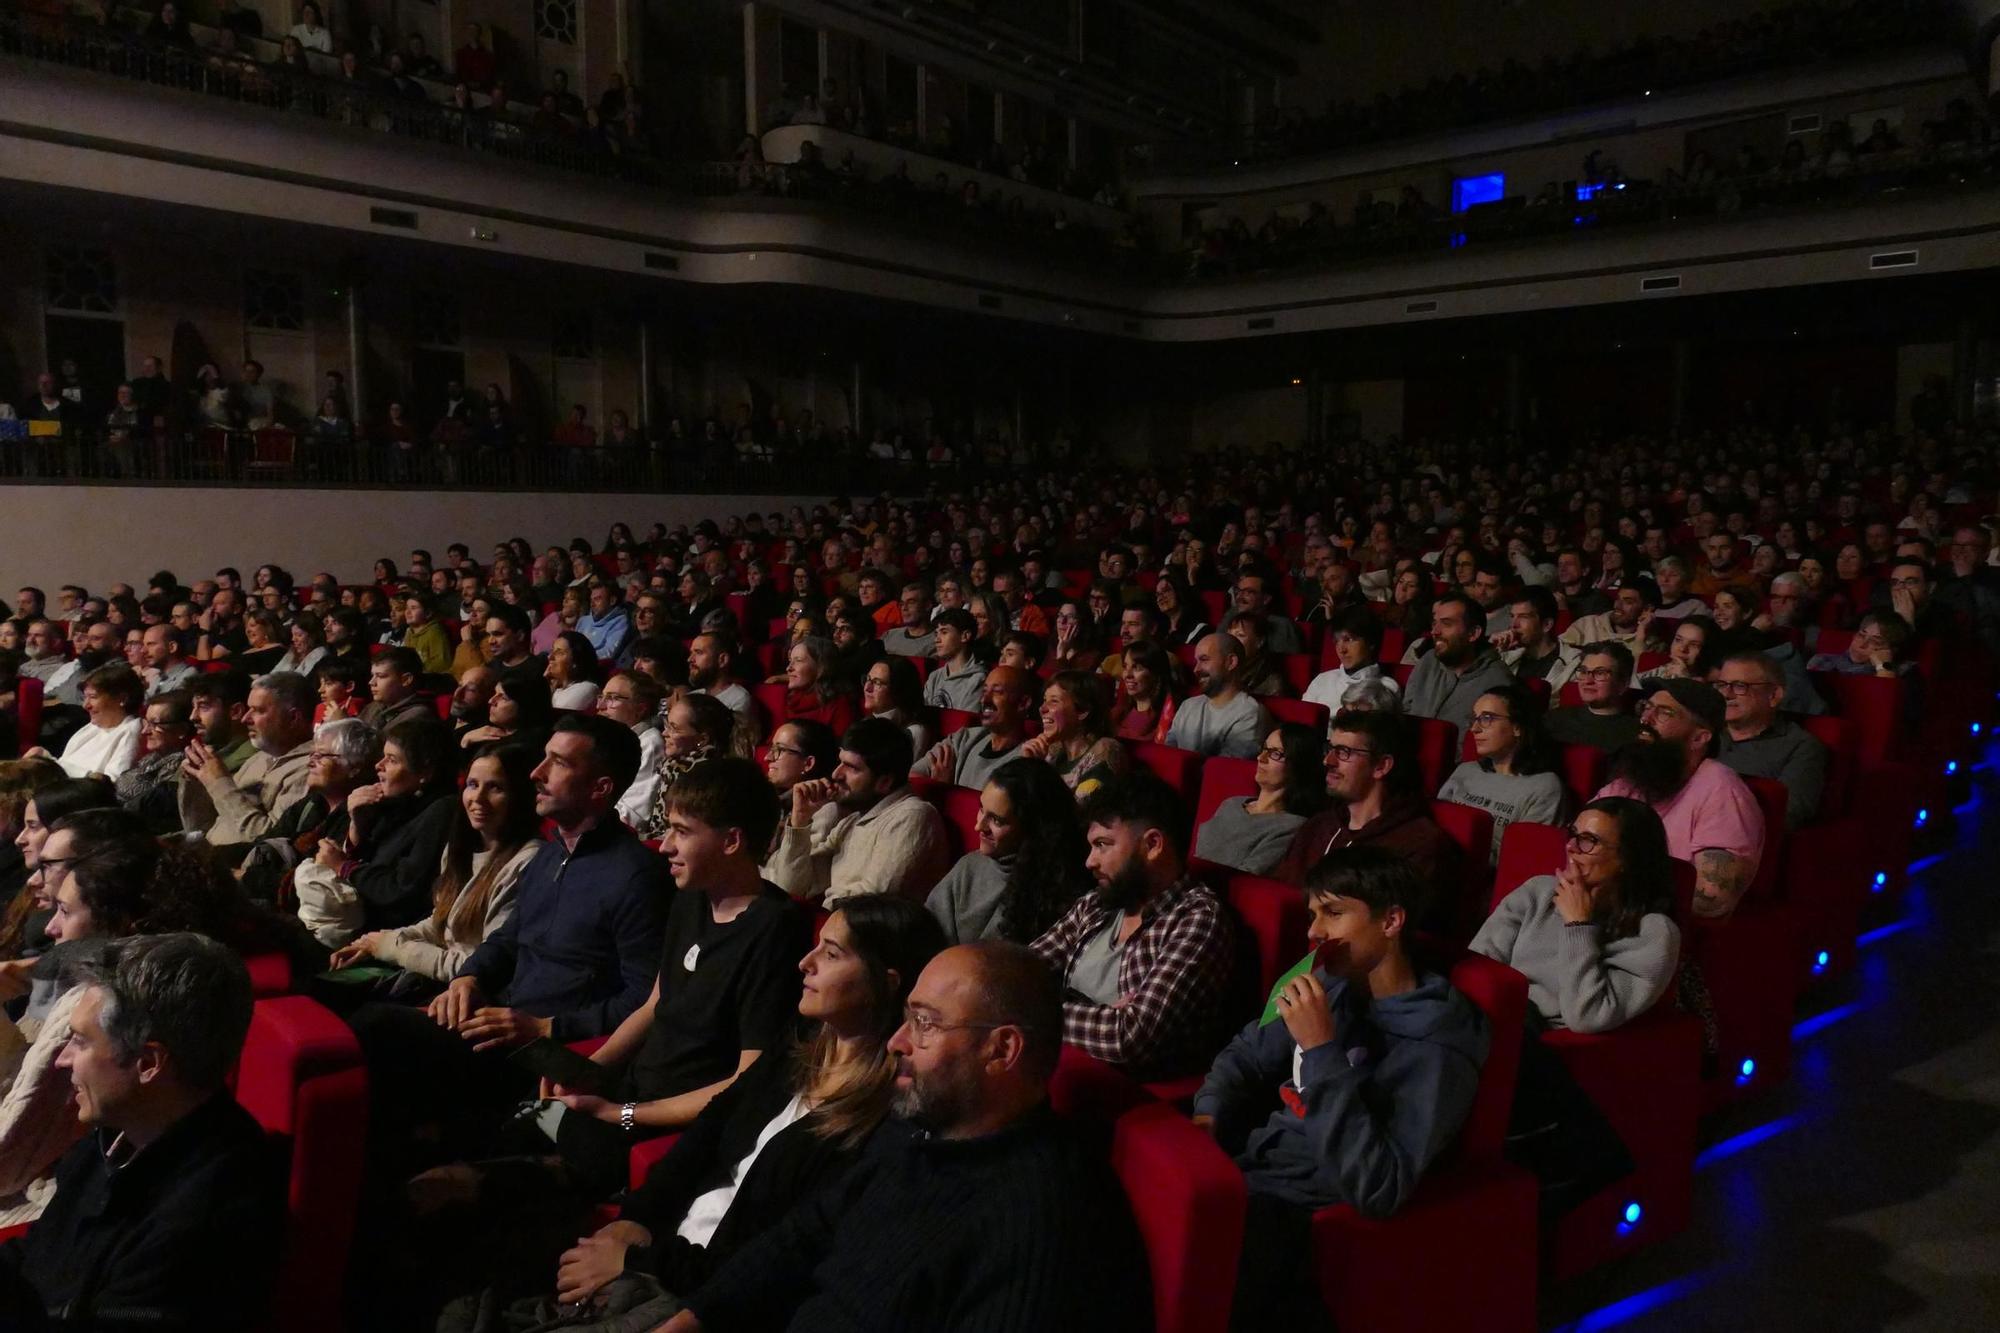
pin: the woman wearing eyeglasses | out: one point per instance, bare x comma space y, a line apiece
1596, 940
1513, 777
1250, 833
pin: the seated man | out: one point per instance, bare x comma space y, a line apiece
163, 667
607, 624
728, 982
973, 1209
1604, 719
861, 829
1670, 576
171, 1212
915, 636
711, 669
1710, 816
234, 809
472, 700
1357, 647
1632, 609
1530, 648
1252, 593
1136, 625
970, 757
1359, 1131
425, 637
392, 685
1460, 667
959, 680
1378, 801
1758, 743
574, 960
1145, 957
1224, 719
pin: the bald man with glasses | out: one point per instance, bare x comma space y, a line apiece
1759, 742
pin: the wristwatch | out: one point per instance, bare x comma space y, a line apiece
625, 1121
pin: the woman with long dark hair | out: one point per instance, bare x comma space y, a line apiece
1513, 776
1250, 833
1146, 696
1078, 740
1028, 868
492, 839
1181, 610
572, 673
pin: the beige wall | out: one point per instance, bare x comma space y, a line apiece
100, 535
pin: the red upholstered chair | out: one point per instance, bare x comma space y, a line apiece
1473, 1206
1472, 830
1437, 742
1583, 769
1273, 914
442, 704
28, 712
301, 1076
1394, 642
951, 721
770, 697
1222, 778
1297, 669
1214, 607
1772, 800
1528, 850
739, 608
645, 1154
960, 808
1400, 672
1873, 706
1297, 710
270, 974
1178, 768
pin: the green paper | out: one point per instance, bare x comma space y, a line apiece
360, 972
1298, 969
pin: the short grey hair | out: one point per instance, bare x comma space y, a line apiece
1672, 562
189, 993
1372, 694
293, 690
357, 744
1788, 580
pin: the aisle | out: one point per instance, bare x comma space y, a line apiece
1866, 1193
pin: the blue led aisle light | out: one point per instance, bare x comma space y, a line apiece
1745, 1072
1923, 817
1881, 880
1951, 768
1629, 1218
1820, 962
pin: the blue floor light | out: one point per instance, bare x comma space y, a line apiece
1951, 768
1628, 1220
1820, 960
1881, 881
1923, 816
1746, 1071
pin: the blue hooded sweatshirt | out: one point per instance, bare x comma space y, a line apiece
1382, 1099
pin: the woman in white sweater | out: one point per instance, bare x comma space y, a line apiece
114, 701
489, 847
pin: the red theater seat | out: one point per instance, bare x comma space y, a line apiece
1222, 778
1437, 742
28, 712
1179, 769
1297, 710
1472, 830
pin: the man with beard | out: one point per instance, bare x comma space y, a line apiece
711, 663
42, 647
969, 758
1460, 667
507, 638
469, 701
1145, 958
99, 644
861, 830
234, 809
1226, 720
1711, 817
1632, 609
975, 1208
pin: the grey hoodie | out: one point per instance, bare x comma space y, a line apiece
1382, 1099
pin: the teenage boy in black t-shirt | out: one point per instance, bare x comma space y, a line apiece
728, 987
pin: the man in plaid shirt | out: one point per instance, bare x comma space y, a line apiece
1145, 958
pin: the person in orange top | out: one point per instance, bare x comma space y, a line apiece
1021, 613
874, 588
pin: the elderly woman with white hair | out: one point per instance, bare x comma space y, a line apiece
1375, 694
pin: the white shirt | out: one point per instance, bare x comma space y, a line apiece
637, 802
705, 1214
1329, 687
313, 39
579, 696
106, 750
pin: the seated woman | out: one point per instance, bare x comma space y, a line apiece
1181, 610
308, 645
700, 727
490, 842
1028, 868
1073, 641
1077, 739
471, 648
893, 690
572, 673
378, 872
791, 1125
1616, 883
810, 692
20, 779
1372, 694
1146, 698
1251, 833
151, 787
343, 758
519, 712
108, 743
1514, 776
24, 924
1693, 653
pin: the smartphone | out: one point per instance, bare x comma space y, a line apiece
550, 1059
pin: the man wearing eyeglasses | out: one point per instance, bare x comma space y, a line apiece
1911, 590
1970, 586
973, 1207
1710, 816
1758, 743
1252, 593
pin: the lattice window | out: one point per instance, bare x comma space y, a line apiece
82, 278
572, 337
273, 299
437, 320
556, 20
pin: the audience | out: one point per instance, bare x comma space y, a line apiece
1758, 743
969, 757
1028, 867
232, 808
1076, 739
1461, 666
1603, 717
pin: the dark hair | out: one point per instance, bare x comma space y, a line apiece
1048, 875
1475, 615
348, 671
1645, 881
61, 799
1305, 771
714, 721
727, 792
582, 656
1534, 752
672, 661
191, 995
1544, 601
510, 615
1089, 692
1364, 625
1375, 877
906, 688
459, 894
1710, 655
1388, 734
957, 618
133, 884
402, 660
427, 746
530, 693
884, 746
1620, 655
1155, 659
816, 738
614, 747
118, 681
1142, 800
1017, 988
1030, 642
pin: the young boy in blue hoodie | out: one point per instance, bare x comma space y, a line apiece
1371, 1060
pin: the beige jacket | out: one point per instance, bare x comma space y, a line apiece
895, 846
241, 807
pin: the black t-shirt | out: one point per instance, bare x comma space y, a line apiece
1536, 668
723, 990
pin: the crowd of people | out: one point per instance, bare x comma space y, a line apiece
610, 841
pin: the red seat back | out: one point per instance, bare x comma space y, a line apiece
1838, 738
1297, 710
1179, 769
1222, 778
1214, 608
1502, 995
1297, 669
1472, 830
960, 808
1583, 768
1873, 706
28, 712
951, 721
1772, 798
1274, 915
1437, 742
1528, 850
1188, 1200
770, 697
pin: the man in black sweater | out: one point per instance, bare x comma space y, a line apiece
974, 1210
169, 1213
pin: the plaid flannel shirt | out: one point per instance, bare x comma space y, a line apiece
1173, 975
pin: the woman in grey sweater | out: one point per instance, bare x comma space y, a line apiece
1596, 940
1028, 868
1514, 776
1251, 833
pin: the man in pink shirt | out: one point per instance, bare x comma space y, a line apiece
1712, 818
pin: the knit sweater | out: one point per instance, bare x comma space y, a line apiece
1236, 838
1021, 1229
1576, 979
966, 902
437, 952
896, 845
1435, 690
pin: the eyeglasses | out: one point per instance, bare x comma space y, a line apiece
1488, 719
1665, 712
148, 724
924, 1025
791, 750
1271, 752
1736, 688
1906, 583
1587, 843
1346, 753
49, 861
1596, 673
